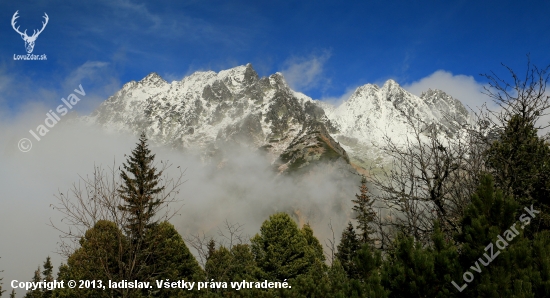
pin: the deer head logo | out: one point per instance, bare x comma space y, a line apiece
29, 40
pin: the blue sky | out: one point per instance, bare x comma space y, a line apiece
326, 48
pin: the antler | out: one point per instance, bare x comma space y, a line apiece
43, 25
15, 16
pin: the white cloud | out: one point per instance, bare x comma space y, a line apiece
305, 73
462, 87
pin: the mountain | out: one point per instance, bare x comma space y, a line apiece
209, 110
372, 113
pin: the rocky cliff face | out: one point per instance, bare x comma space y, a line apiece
209, 110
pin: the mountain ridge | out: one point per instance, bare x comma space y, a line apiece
206, 109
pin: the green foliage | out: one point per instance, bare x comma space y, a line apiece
281, 250
140, 192
365, 214
168, 258
231, 265
369, 262
48, 276
347, 251
520, 163
37, 293
513, 265
97, 258
313, 244
541, 264
415, 271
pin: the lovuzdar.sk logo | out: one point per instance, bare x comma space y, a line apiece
29, 40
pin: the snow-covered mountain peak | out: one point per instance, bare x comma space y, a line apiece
153, 79
236, 105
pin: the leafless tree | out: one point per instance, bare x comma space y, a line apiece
231, 235
434, 173
431, 177
525, 96
199, 242
330, 244
96, 198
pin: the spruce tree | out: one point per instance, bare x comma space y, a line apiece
37, 293
365, 214
210, 248
347, 251
1, 278
140, 190
12, 294
48, 276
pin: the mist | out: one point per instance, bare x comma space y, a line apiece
242, 188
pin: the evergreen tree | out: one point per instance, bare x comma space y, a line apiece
48, 276
211, 248
37, 293
170, 259
314, 283
415, 271
347, 251
313, 243
236, 264
365, 214
12, 294
520, 163
510, 264
140, 190
368, 263
97, 258
281, 249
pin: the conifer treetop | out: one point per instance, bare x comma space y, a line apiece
140, 189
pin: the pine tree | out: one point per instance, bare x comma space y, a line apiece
347, 251
365, 214
48, 276
511, 266
415, 271
37, 293
211, 248
140, 191
368, 261
12, 294
281, 250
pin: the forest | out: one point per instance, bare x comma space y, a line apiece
467, 214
